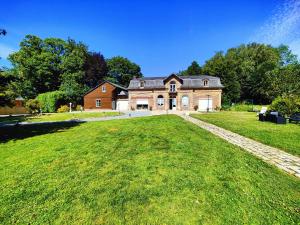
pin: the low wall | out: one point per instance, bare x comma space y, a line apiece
13, 110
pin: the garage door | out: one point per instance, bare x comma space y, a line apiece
122, 105
142, 104
204, 104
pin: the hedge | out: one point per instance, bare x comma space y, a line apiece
287, 105
50, 101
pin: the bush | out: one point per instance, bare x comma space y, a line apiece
63, 108
33, 106
241, 107
79, 108
50, 101
287, 105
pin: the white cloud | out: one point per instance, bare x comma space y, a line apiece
5, 51
283, 27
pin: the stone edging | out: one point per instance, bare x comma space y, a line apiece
283, 160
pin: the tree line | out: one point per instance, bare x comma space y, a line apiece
256, 72
53, 64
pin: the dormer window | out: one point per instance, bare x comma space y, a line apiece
103, 88
142, 84
172, 86
205, 83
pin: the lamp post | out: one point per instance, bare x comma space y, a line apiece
70, 106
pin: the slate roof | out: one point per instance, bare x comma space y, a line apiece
187, 82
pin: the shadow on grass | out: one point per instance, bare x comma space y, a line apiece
25, 131
12, 119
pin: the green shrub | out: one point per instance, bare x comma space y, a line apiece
50, 101
241, 107
287, 105
33, 106
63, 108
79, 108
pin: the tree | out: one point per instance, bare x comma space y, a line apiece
3, 32
122, 70
286, 55
95, 69
193, 69
285, 81
73, 73
48, 65
6, 95
246, 66
219, 66
37, 65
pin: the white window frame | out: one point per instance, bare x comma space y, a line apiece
98, 103
172, 87
103, 88
186, 102
160, 101
205, 83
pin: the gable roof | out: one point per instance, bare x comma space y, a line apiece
106, 81
187, 82
172, 76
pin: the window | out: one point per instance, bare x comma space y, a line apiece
103, 88
98, 103
172, 86
205, 83
185, 101
142, 84
160, 100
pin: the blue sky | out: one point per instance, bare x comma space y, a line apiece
161, 36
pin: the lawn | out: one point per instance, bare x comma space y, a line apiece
285, 137
152, 170
56, 117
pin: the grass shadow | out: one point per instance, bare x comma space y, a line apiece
17, 132
12, 119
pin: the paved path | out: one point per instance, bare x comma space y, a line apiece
126, 115
274, 156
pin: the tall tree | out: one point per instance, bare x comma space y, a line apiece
193, 69
6, 94
286, 55
95, 69
219, 66
249, 66
72, 67
37, 65
122, 70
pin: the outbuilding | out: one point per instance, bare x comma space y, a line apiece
106, 95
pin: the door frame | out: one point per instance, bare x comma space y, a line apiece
171, 103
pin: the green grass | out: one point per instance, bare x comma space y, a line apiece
285, 137
56, 117
152, 170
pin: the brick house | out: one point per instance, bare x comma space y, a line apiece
175, 93
106, 95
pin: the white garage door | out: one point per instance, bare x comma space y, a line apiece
204, 104
122, 105
142, 104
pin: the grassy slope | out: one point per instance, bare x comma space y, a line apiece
285, 137
151, 170
57, 116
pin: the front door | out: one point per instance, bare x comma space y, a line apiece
172, 104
